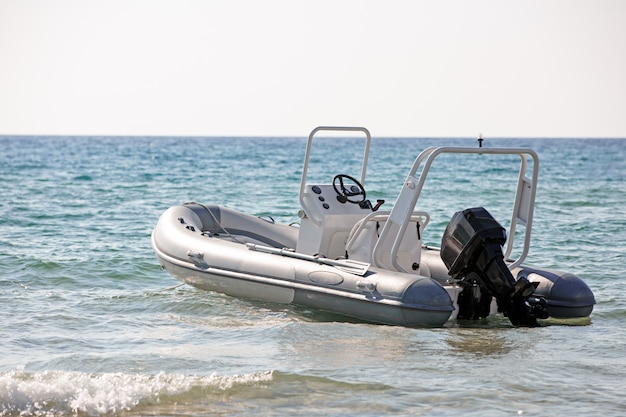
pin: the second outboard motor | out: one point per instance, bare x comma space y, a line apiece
471, 248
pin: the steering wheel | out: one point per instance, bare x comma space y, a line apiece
344, 193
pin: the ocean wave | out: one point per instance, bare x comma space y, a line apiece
57, 393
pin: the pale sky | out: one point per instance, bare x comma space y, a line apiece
530, 68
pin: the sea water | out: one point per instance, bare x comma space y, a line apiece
92, 326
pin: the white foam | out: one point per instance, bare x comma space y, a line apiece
53, 393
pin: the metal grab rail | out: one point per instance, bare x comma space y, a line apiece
523, 206
307, 155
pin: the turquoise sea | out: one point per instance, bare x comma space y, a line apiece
92, 326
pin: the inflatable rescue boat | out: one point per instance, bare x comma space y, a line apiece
351, 258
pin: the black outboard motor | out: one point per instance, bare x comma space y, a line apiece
471, 248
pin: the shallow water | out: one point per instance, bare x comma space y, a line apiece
92, 326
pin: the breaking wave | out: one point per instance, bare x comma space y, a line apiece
57, 393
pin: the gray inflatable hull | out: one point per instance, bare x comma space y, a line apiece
196, 253
192, 244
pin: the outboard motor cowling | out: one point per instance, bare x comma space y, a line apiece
471, 248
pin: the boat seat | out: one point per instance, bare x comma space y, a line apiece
364, 236
326, 222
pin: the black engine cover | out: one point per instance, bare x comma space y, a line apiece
467, 233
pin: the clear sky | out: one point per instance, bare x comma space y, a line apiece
531, 68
